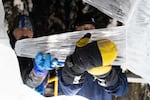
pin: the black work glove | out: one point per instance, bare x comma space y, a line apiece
87, 56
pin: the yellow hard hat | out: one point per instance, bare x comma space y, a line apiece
108, 51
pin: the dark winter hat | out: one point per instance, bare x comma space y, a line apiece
84, 19
24, 22
21, 21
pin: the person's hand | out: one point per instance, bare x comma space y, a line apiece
43, 64
87, 56
96, 54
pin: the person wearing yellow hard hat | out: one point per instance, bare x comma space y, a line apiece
88, 71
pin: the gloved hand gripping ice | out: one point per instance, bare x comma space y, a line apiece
94, 57
43, 65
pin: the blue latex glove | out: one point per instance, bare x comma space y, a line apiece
43, 65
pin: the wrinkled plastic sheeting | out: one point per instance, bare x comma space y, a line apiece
3, 34
135, 14
62, 45
138, 41
119, 9
2, 13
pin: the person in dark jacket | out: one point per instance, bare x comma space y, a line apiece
88, 71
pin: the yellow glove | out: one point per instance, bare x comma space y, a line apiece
96, 56
93, 57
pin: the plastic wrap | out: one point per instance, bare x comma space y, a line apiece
138, 41
118, 9
2, 13
62, 45
135, 14
3, 34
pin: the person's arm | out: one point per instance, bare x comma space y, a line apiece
66, 84
26, 68
33, 80
40, 70
118, 84
92, 57
69, 89
72, 75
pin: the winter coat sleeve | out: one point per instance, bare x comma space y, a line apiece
68, 89
121, 87
33, 81
117, 89
28, 77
